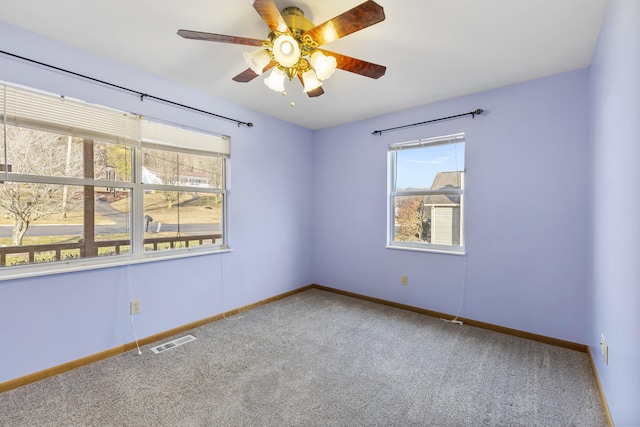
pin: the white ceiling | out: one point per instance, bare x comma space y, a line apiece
433, 49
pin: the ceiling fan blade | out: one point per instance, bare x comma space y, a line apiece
248, 74
197, 35
312, 93
270, 14
362, 16
245, 76
316, 92
358, 66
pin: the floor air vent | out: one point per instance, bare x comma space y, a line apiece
172, 344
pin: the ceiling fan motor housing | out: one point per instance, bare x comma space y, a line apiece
296, 21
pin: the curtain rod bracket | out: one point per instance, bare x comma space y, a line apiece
476, 113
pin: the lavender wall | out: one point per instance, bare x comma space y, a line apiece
552, 236
615, 226
54, 319
526, 200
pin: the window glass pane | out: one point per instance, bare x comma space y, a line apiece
177, 220
52, 222
113, 221
112, 162
434, 219
185, 169
430, 167
427, 181
411, 222
35, 152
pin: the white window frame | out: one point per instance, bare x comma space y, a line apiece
393, 193
24, 107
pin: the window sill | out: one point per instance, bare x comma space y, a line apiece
428, 249
10, 273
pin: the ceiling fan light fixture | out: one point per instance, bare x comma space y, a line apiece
275, 81
257, 60
324, 65
292, 46
310, 81
286, 50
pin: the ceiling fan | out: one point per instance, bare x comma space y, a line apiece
292, 47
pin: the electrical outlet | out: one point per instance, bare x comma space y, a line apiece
604, 348
135, 306
404, 280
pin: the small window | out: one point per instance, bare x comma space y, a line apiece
426, 194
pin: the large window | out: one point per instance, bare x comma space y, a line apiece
82, 184
426, 194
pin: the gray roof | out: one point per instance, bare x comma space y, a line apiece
447, 179
441, 181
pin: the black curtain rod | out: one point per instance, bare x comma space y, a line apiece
471, 113
141, 94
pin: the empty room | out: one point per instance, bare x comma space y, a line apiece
285, 212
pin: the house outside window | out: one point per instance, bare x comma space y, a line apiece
86, 185
426, 194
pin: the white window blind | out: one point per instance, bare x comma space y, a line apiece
162, 136
35, 110
441, 140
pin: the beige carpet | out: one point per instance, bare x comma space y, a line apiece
321, 359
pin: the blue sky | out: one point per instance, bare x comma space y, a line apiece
417, 167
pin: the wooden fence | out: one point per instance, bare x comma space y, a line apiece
60, 251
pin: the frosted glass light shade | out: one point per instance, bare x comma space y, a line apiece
257, 60
323, 64
275, 81
310, 81
286, 50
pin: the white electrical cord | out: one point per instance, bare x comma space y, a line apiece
135, 336
464, 281
222, 277
133, 325
222, 257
